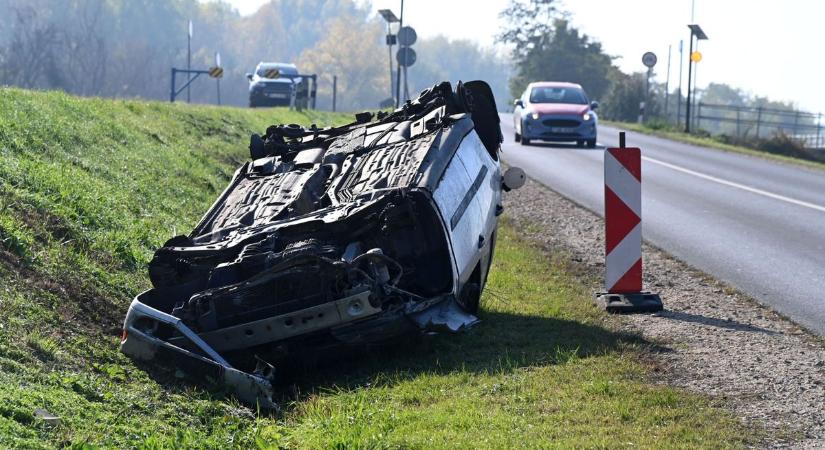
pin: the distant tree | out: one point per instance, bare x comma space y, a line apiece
625, 95
546, 47
356, 55
441, 59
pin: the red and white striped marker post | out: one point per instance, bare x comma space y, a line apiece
623, 233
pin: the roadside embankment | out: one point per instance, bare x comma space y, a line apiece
710, 339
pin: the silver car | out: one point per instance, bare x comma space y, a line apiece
332, 237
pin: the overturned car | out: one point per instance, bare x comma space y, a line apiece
334, 236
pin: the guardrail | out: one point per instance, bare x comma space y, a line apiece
756, 121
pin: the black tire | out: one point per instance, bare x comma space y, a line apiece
525, 141
517, 137
591, 143
579, 143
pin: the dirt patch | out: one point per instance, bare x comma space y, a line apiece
765, 369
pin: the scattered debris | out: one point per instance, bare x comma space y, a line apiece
47, 417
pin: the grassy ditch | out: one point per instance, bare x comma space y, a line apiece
711, 142
88, 188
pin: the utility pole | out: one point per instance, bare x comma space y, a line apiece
189, 61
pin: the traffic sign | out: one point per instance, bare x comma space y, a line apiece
696, 56
216, 72
405, 56
272, 73
407, 36
649, 59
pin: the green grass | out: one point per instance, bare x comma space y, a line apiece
89, 188
709, 142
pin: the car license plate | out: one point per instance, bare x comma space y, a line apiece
276, 95
562, 130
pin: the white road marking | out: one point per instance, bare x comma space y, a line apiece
736, 185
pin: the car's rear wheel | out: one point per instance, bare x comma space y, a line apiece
580, 143
517, 137
591, 143
525, 141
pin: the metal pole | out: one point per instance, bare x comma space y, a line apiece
647, 95
738, 122
758, 120
681, 70
695, 83
334, 91
667, 82
818, 127
398, 70
690, 73
189, 60
219, 91
389, 54
172, 89
406, 86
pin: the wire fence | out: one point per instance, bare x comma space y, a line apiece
745, 122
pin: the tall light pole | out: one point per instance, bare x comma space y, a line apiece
390, 18
695, 31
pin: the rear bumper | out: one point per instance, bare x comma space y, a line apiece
262, 99
537, 129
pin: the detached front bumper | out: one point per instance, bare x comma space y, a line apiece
150, 334
559, 128
140, 342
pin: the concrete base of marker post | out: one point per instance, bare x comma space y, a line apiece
623, 234
629, 303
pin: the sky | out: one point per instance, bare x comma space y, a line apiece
767, 48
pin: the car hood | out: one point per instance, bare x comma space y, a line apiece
559, 108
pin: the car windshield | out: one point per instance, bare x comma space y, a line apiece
284, 69
543, 94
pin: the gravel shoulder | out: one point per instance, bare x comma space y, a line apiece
710, 339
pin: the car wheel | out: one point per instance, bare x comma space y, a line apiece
525, 141
591, 143
517, 137
579, 143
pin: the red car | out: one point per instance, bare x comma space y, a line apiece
555, 111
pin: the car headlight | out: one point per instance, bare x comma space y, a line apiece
587, 116
535, 116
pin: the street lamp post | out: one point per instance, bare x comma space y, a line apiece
390, 18
695, 31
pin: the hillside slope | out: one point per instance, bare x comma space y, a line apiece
89, 188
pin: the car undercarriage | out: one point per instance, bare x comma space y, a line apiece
335, 236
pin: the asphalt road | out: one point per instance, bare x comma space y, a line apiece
756, 224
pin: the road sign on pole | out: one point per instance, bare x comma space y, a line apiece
623, 233
407, 36
696, 56
649, 59
406, 56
